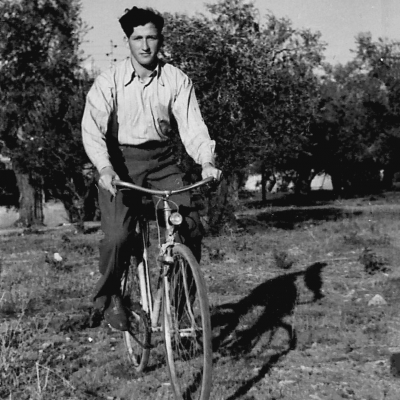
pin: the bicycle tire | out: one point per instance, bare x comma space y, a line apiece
137, 339
187, 328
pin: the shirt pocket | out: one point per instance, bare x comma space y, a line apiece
163, 119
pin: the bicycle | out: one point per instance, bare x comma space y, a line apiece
175, 304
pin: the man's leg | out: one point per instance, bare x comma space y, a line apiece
118, 222
118, 219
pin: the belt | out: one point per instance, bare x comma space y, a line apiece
150, 145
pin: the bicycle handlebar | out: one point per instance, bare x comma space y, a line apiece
162, 192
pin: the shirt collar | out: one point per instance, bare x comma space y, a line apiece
131, 73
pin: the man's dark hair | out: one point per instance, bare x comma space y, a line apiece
139, 17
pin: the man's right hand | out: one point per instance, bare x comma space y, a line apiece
107, 175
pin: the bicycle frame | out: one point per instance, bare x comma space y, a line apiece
151, 305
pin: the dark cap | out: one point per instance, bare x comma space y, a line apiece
139, 17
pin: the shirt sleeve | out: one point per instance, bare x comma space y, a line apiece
98, 107
192, 129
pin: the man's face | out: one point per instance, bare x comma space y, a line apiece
144, 44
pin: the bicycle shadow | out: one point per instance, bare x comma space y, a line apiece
263, 312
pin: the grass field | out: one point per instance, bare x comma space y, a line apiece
295, 310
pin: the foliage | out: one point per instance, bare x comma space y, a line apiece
271, 107
254, 80
346, 130
255, 84
42, 92
356, 130
382, 60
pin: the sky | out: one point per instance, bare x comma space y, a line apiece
339, 22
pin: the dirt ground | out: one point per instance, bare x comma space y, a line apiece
304, 306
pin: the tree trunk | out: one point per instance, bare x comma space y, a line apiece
303, 182
30, 202
338, 185
74, 194
388, 178
263, 184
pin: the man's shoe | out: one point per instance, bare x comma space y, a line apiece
116, 315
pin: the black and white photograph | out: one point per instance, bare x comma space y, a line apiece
199, 199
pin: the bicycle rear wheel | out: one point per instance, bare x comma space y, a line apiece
138, 338
187, 328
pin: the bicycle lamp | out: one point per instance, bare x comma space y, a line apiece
175, 219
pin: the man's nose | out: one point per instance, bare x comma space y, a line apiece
145, 44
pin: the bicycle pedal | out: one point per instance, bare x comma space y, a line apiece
113, 329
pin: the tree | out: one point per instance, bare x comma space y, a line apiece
382, 61
41, 86
356, 130
255, 86
290, 99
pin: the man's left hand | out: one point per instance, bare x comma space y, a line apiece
210, 170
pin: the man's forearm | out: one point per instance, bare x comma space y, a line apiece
97, 154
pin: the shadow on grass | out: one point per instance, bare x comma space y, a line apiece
272, 301
292, 218
282, 199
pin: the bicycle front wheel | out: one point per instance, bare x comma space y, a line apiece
187, 327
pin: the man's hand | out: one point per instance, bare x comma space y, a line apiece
210, 170
107, 175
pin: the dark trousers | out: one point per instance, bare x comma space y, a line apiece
152, 165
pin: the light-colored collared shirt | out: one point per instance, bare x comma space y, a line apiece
144, 112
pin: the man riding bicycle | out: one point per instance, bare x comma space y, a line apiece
126, 130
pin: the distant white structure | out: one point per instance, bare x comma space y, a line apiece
253, 183
320, 182
6, 161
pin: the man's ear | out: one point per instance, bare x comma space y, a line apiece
126, 40
161, 40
